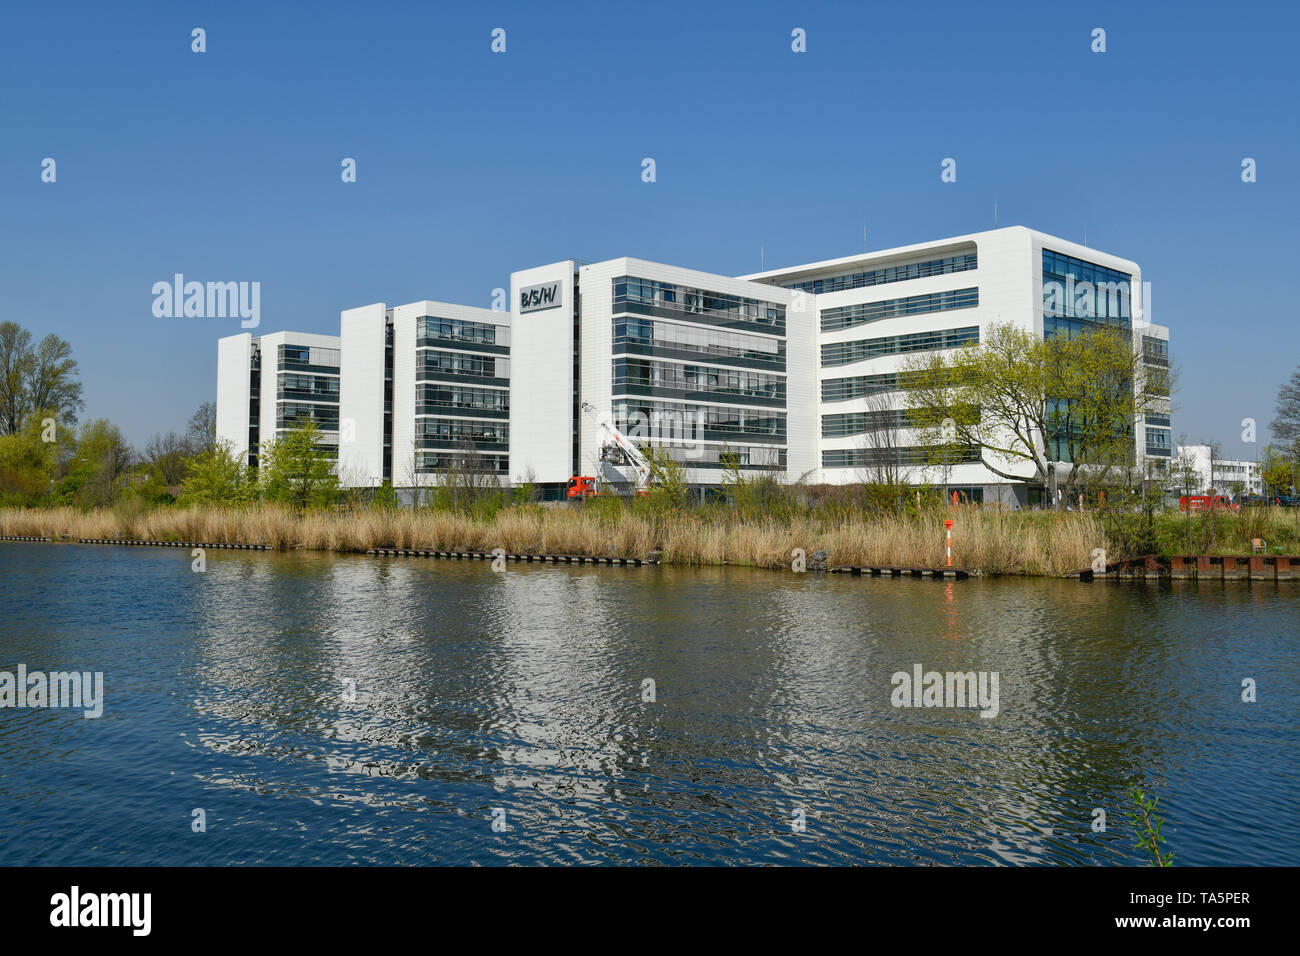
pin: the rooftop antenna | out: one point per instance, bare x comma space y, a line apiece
995, 214
864, 238
1085, 235
762, 258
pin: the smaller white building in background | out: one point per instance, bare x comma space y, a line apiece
1224, 476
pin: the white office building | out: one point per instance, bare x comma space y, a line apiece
791, 372
425, 388
1221, 476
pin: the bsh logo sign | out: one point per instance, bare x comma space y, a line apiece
535, 298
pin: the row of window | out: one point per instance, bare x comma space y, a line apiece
430, 329
303, 356
858, 386
905, 456
435, 461
843, 424
323, 388
842, 353
912, 270
430, 395
750, 457
652, 419
697, 378
1155, 351
666, 295
667, 335
294, 415
458, 429
847, 316
459, 363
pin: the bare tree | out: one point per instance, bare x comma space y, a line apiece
883, 457
201, 432
167, 456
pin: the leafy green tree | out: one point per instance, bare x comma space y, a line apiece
1278, 471
385, 498
294, 469
1068, 398
668, 487
219, 476
52, 382
28, 462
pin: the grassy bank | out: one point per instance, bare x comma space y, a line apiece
990, 542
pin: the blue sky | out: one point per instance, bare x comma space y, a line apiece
225, 165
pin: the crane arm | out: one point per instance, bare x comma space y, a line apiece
622, 442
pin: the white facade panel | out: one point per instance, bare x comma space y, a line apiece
541, 377
362, 348
234, 358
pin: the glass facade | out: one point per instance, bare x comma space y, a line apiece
1078, 295
661, 331
1158, 442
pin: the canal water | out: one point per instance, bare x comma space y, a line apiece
311, 709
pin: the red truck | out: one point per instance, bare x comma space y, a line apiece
1205, 503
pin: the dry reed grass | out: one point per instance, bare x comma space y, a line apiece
989, 542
